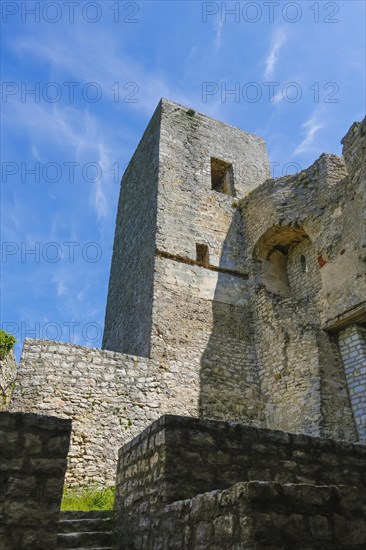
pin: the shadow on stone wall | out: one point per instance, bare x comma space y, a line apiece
229, 382
301, 386
33, 464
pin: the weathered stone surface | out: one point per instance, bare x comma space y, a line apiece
110, 398
31, 479
186, 311
352, 343
8, 374
177, 458
237, 294
305, 237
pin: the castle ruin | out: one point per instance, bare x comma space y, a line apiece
232, 297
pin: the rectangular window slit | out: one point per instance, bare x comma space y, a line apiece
222, 177
202, 255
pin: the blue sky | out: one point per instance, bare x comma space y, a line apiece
98, 70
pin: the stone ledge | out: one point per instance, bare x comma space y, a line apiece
28, 421
177, 458
354, 316
263, 515
233, 429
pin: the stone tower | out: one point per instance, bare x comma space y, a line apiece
231, 297
178, 258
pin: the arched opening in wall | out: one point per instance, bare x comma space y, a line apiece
303, 386
287, 262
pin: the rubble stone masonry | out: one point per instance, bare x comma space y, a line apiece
232, 297
32, 468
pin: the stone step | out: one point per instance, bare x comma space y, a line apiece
91, 539
91, 514
84, 525
82, 530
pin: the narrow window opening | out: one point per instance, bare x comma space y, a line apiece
202, 255
304, 265
222, 177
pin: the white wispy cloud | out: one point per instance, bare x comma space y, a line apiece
311, 128
278, 97
64, 126
192, 53
218, 24
75, 132
99, 198
278, 39
60, 285
101, 65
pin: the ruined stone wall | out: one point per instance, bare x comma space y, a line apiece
177, 458
342, 236
243, 296
260, 515
110, 398
32, 468
208, 315
287, 351
8, 374
303, 271
329, 205
237, 309
299, 235
352, 263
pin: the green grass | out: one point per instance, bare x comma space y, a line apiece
88, 498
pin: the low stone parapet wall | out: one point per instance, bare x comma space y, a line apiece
110, 398
32, 470
177, 458
259, 515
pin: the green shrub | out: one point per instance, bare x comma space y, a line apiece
7, 342
88, 498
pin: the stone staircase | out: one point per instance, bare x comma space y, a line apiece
84, 530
